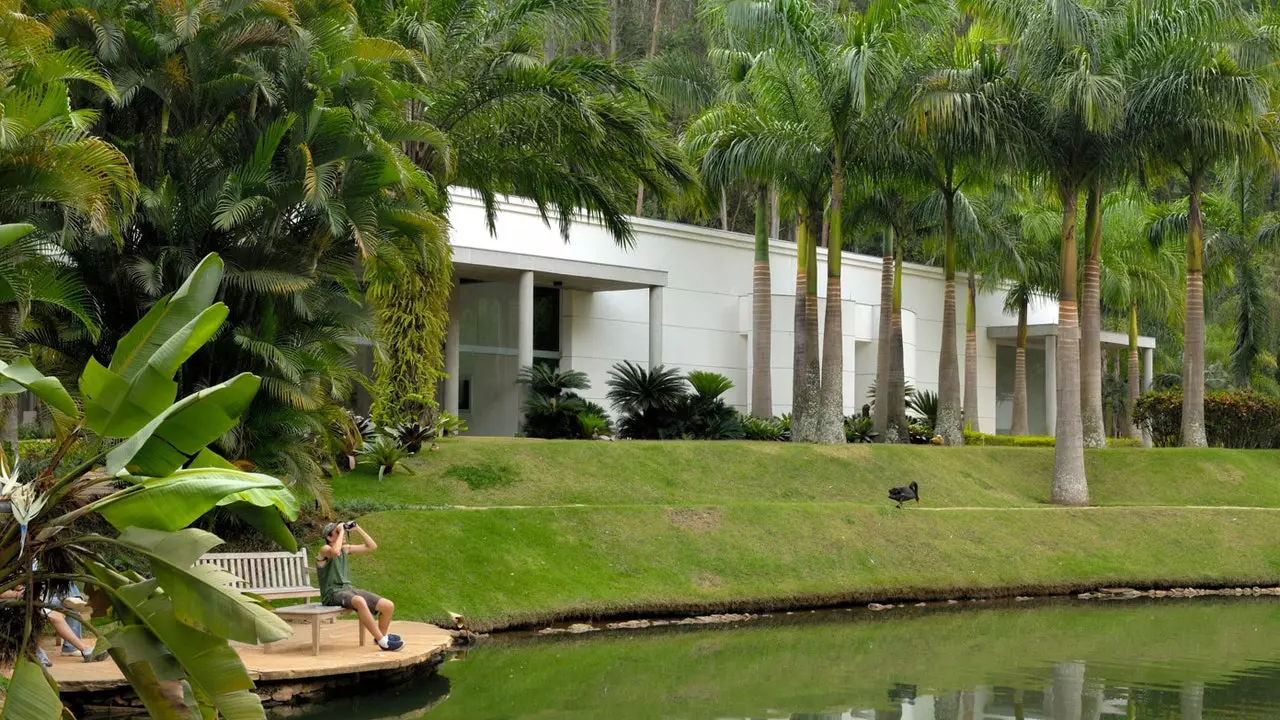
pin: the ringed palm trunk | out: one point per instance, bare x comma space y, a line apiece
1193, 432
949, 426
1092, 419
884, 338
1070, 486
971, 357
830, 429
1019, 424
897, 390
1132, 430
762, 315
799, 352
811, 388
653, 50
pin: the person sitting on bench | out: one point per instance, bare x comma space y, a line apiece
63, 630
336, 588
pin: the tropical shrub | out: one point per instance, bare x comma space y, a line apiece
175, 625
859, 429
756, 428
594, 426
1233, 419
703, 414
984, 439
553, 410
411, 436
646, 400
449, 425
924, 405
386, 453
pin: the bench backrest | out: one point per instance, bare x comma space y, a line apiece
263, 570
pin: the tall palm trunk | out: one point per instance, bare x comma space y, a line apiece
971, 357
896, 392
949, 408
761, 314
1091, 417
724, 209
884, 349
831, 395
775, 200
811, 388
653, 50
1193, 434
1019, 424
1070, 486
800, 350
613, 28
1134, 380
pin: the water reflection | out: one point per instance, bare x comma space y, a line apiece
1199, 660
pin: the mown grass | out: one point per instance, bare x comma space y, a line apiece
796, 669
508, 567
530, 472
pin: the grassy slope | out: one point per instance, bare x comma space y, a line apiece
726, 673
710, 526
531, 472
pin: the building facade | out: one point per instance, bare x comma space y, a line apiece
681, 297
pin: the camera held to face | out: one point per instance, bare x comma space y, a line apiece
349, 525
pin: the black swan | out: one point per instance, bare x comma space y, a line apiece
905, 494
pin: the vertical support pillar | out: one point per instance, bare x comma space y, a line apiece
524, 330
655, 326
452, 356
1051, 384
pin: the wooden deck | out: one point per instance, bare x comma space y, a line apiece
340, 654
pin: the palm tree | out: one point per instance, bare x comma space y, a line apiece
965, 118
1135, 276
1200, 94
1061, 53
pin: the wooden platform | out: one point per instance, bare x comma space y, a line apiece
340, 654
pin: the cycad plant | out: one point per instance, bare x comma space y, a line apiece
553, 408
646, 399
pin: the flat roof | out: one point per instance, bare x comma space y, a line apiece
1114, 339
496, 265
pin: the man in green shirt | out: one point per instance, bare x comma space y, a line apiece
336, 588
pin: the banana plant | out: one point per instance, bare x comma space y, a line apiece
168, 632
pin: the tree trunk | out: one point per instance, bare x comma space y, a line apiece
1068, 690
1193, 433
971, 357
1191, 702
1019, 424
884, 350
831, 401
724, 209
897, 390
798, 409
1070, 486
653, 50
12, 419
613, 28
949, 407
1091, 417
775, 217
812, 360
761, 315
1134, 379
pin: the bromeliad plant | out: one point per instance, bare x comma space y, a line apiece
168, 633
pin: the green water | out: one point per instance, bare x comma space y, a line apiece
1185, 659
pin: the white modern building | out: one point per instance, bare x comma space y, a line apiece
682, 297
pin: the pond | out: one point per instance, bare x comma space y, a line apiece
1185, 659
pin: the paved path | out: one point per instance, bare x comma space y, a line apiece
340, 653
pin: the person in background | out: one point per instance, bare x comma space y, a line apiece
62, 628
336, 588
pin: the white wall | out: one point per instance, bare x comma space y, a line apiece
707, 325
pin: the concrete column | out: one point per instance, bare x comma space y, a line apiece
524, 324
1051, 384
452, 352
655, 326
1148, 376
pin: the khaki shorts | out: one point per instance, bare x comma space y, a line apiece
343, 598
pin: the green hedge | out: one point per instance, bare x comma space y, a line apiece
983, 439
1241, 420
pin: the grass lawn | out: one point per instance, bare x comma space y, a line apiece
488, 472
580, 529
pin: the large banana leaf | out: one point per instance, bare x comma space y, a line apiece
211, 665
115, 407
141, 671
21, 375
167, 317
183, 430
173, 502
13, 232
265, 510
31, 695
202, 595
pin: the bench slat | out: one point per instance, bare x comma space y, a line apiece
269, 574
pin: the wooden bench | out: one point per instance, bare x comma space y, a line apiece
278, 576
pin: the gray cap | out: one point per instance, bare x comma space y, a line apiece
329, 528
